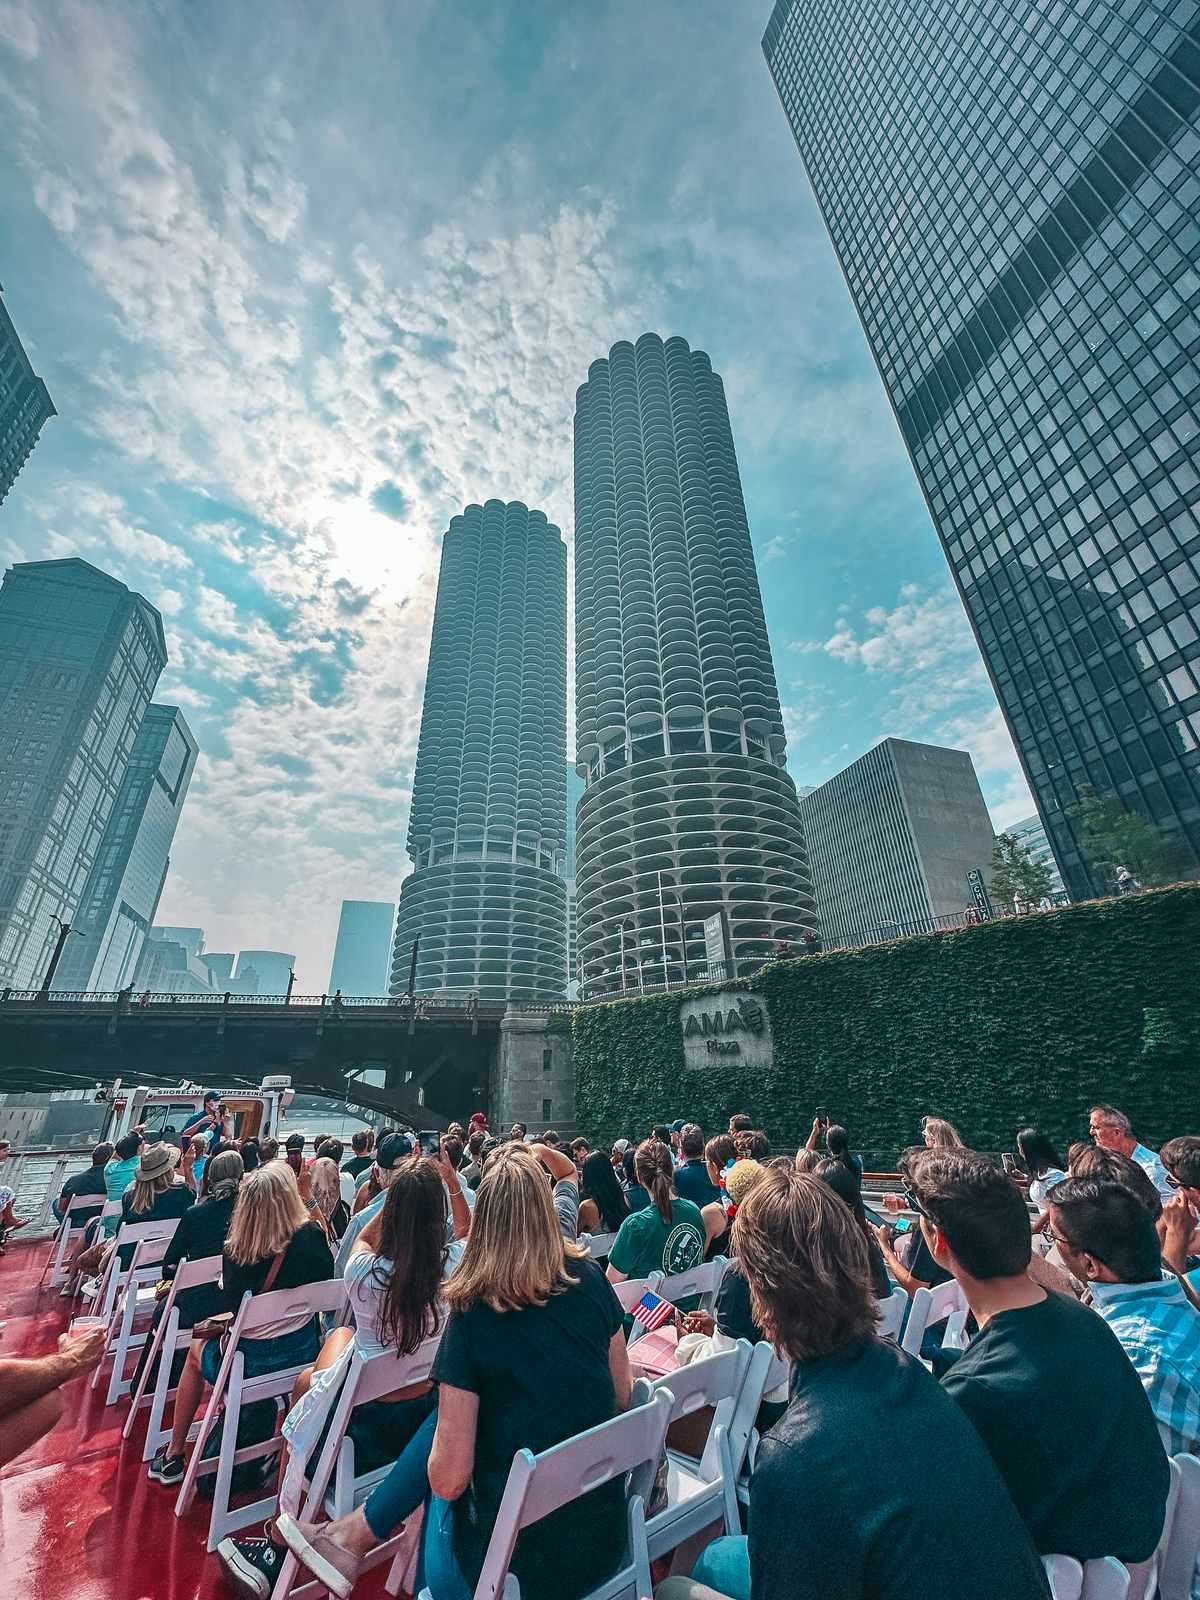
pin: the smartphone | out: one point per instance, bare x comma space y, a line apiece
902, 1224
430, 1141
1008, 1161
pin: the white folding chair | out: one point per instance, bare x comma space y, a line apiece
259, 1316
68, 1236
703, 1281
598, 1244
137, 1297
630, 1292
335, 1486
779, 1371
537, 1485
115, 1276
891, 1314
929, 1307
1177, 1562
702, 1492
167, 1340
73, 1280
1104, 1579
1144, 1575
1065, 1577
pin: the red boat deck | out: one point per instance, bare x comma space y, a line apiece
79, 1519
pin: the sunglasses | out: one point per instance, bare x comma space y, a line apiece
1060, 1241
914, 1203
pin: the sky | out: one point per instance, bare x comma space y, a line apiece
303, 280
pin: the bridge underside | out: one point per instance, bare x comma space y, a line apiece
433, 1069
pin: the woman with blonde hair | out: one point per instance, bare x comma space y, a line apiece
153, 1196
939, 1134
271, 1244
533, 1353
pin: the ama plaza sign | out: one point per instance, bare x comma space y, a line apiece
726, 1030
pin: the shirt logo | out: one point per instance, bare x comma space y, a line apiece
682, 1250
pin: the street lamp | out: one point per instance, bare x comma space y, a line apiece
64, 931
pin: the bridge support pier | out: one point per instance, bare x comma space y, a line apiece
533, 1080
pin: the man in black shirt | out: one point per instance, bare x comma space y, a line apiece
1039, 1357
873, 1485
88, 1182
362, 1158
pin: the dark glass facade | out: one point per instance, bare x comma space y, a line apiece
25, 403
1012, 190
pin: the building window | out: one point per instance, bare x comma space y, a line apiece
547, 1059
545, 1111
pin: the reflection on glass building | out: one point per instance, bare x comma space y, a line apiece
123, 889
80, 655
362, 955
1012, 193
689, 813
25, 403
487, 900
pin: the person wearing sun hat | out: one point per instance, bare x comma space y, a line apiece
154, 1195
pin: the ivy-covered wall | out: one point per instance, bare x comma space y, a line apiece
1026, 1020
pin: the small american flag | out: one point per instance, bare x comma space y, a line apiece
651, 1311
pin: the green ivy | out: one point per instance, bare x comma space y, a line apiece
1025, 1020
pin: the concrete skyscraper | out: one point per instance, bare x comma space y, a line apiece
688, 812
362, 956
892, 838
487, 899
25, 403
123, 889
80, 655
1012, 196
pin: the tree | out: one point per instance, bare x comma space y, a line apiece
1015, 872
1113, 836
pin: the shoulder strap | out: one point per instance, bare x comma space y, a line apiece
273, 1271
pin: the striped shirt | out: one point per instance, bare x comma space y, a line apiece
1160, 1332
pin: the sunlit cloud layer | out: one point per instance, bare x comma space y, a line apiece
304, 283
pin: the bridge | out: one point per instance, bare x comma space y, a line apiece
436, 1053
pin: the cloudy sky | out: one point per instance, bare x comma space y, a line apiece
305, 279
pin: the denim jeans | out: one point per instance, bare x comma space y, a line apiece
406, 1485
441, 1573
724, 1566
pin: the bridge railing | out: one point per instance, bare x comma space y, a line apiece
422, 1003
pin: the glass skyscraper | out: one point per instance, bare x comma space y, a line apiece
688, 812
25, 402
487, 898
124, 886
362, 956
1011, 188
80, 655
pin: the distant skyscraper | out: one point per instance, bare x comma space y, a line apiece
272, 967
486, 833
891, 839
362, 956
1008, 189
688, 812
25, 403
124, 886
173, 965
1032, 835
220, 966
192, 939
79, 658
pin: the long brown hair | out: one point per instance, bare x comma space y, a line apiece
516, 1255
268, 1214
805, 1259
412, 1255
652, 1163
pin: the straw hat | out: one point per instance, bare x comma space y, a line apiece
155, 1160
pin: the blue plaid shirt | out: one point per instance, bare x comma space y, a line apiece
1160, 1332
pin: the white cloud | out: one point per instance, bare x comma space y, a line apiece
18, 31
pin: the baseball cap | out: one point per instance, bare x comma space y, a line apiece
391, 1150
679, 1125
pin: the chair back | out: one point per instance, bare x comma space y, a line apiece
598, 1244
148, 1253
703, 1280
1104, 1579
632, 1289
285, 1310
930, 1306
380, 1374
135, 1232
891, 1314
1065, 1577
191, 1274
1178, 1560
538, 1485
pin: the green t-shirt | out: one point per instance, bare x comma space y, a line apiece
646, 1244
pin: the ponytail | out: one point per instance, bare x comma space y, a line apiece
652, 1164
837, 1142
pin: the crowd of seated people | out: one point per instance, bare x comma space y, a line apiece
1077, 1276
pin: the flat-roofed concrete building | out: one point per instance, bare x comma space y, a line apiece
891, 839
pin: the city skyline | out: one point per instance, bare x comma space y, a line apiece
270, 454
